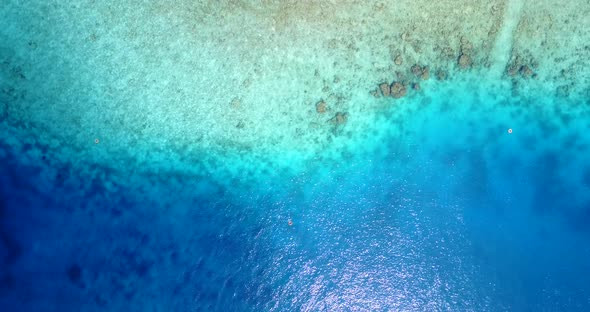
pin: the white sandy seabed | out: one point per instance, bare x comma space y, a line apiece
228, 89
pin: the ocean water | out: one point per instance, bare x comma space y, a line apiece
122, 187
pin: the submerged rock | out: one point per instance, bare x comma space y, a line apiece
416, 69
512, 70
518, 68
464, 61
422, 72
398, 90
522, 65
340, 118
398, 60
321, 107
441, 74
526, 71
385, 90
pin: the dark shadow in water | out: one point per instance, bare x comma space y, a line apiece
555, 194
119, 245
10, 249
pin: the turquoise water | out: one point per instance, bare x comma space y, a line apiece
428, 203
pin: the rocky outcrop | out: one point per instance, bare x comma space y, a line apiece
416, 69
526, 71
441, 74
385, 89
421, 71
340, 118
464, 61
321, 107
520, 67
398, 90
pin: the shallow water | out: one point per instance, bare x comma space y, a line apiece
427, 203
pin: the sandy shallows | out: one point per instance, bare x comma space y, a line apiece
164, 83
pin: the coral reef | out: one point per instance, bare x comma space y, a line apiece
340, 118
464, 61
321, 107
398, 90
385, 89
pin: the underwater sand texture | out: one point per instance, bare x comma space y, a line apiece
174, 80
179, 79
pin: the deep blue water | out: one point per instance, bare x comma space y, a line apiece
446, 211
